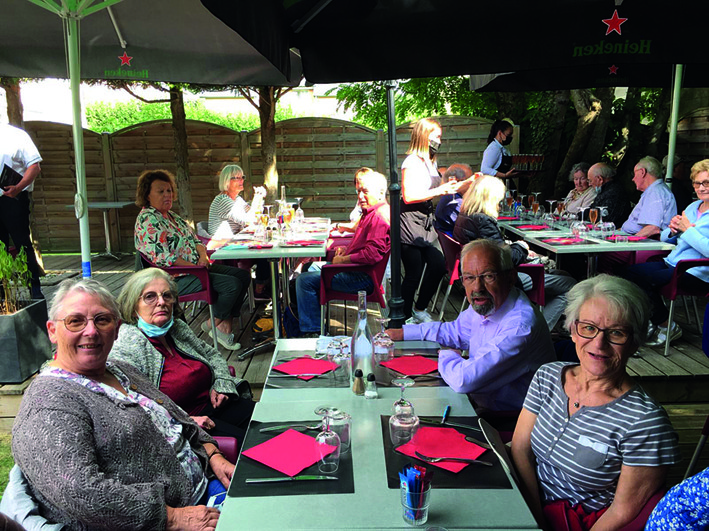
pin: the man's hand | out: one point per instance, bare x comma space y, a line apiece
395, 334
340, 256
197, 518
204, 422
218, 399
222, 468
11, 191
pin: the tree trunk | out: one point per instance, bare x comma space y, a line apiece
558, 105
179, 130
14, 101
511, 105
597, 143
588, 108
267, 115
656, 147
632, 143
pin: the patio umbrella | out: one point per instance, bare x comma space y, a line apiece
175, 41
365, 40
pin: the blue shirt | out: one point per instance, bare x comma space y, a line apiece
447, 212
694, 243
492, 157
685, 507
657, 206
505, 350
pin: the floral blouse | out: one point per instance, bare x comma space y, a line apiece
165, 240
168, 427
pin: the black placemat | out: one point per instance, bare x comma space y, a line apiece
327, 380
248, 468
471, 477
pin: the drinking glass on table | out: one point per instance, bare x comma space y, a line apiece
341, 423
337, 352
593, 215
579, 229
535, 208
581, 212
327, 439
509, 200
404, 422
403, 405
607, 229
383, 345
551, 205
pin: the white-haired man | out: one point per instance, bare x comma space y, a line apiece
657, 205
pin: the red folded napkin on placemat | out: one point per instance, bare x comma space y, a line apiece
291, 452
533, 227
630, 238
304, 242
260, 245
412, 365
306, 365
507, 218
441, 442
564, 241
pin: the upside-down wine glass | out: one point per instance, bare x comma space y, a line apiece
402, 404
383, 344
326, 440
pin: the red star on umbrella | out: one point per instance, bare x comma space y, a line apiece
613, 69
614, 23
125, 59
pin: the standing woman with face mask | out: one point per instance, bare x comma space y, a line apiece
497, 160
421, 182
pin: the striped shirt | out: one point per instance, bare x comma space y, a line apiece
227, 216
579, 458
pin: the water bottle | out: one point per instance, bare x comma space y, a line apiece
362, 348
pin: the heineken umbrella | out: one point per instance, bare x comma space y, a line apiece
143, 40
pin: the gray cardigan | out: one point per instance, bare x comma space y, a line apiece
96, 463
134, 347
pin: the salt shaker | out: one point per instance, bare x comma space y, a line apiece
370, 387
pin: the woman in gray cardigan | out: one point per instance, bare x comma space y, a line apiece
185, 368
100, 446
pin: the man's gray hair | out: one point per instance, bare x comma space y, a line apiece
627, 301
376, 182
86, 285
652, 166
457, 171
133, 288
605, 171
502, 251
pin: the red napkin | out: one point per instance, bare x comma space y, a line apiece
441, 442
630, 238
260, 245
507, 218
306, 365
290, 452
412, 365
305, 242
564, 241
533, 227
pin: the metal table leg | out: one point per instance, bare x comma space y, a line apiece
108, 252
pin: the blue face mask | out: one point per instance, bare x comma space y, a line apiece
151, 330
598, 189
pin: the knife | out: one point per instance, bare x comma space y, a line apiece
251, 481
479, 443
427, 420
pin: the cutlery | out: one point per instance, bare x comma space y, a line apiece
428, 420
429, 459
479, 443
251, 481
484, 427
297, 427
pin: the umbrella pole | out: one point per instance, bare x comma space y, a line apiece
396, 302
71, 27
674, 117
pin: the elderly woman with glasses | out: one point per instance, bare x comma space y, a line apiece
99, 445
590, 445
188, 370
689, 231
582, 194
229, 213
167, 240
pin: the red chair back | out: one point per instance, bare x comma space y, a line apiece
202, 273
672, 290
374, 271
451, 253
536, 272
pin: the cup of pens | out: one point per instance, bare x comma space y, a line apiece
415, 486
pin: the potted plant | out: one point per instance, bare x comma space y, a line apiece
24, 342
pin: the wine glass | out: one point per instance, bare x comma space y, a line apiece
327, 442
579, 229
521, 199
402, 404
299, 214
403, 425
535, 207
581, 212
383, 345
531, 198
337, 353
607, 229
551, 205
509, 200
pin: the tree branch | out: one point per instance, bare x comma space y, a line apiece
246, 94
129, 91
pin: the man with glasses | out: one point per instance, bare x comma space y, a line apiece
506, 337
611, 195
657, 205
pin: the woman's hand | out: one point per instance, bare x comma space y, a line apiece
449, 188
204, 422
683, 223
217, 399
222, 468
203, 261
197, 518
510, 173
259, 191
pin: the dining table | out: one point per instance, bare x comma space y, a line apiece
366, 493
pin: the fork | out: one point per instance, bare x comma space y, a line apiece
296, 427
429, 459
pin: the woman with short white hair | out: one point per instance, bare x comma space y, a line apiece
229, 213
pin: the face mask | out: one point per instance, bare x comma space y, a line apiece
598, 189
151, 330
433, 147
507, 141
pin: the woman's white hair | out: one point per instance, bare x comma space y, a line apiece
86, 285
133, 288
229, 171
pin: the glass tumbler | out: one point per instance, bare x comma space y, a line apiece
341, 423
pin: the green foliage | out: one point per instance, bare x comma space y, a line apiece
14, 279
110, 117
414, 99
6, 461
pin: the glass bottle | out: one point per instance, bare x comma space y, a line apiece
362, 347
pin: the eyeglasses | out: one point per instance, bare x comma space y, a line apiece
616, 336
77, 322
487, 278
151, 298
698, 185
239, 178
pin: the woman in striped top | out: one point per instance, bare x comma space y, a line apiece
229, 213
590, 444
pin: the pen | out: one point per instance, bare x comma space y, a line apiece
445, 414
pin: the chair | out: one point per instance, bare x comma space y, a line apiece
327, 294
451, 253
672, 290
698, 450
536, 272
206, 294
229, 446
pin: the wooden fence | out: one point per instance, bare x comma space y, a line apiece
317, 158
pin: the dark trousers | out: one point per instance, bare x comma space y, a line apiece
651, 276
413, 259
230, 283
15, 224
231, 419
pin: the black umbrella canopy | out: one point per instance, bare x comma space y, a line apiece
165, 40
363, 40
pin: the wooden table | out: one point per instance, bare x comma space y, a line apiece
373, 505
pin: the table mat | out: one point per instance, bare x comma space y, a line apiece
248, 468
471, 477
566, 241
533, 227
327, 380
